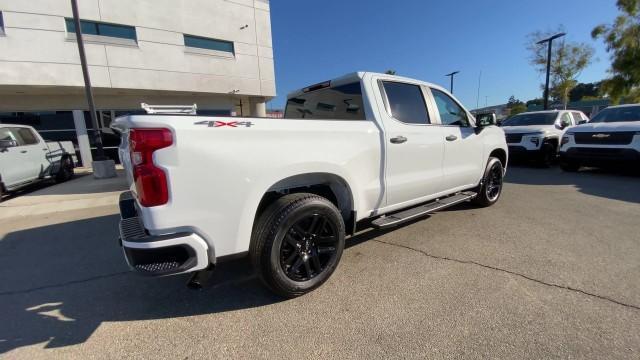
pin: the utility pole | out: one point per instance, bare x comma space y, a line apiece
97, 139
451, 75
548, 40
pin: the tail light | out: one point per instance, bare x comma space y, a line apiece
151, 181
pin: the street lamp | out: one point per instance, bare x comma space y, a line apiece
451, 76
546, 86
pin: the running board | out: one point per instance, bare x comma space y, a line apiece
406, 215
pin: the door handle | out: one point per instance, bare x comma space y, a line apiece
23, 151
398, 140
451, 138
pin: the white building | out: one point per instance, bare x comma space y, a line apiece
214, 53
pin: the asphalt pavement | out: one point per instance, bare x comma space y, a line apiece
551, 271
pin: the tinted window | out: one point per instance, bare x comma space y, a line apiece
26, 136
565, 119
102, 29
343, 102
621, 114
406, 102
450, 112
7, 134
525, 119
210, 44
577, 117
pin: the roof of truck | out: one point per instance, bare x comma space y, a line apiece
357, 76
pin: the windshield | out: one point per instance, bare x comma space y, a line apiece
621, 114
531, 119
343, 102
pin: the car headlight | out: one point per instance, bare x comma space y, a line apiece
565, 139
535, 137
535, 140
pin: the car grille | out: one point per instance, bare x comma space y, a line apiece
611, 138
513, 138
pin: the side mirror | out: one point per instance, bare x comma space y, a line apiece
5, 144
562, 126
582, 122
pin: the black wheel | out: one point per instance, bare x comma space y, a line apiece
66, 170
297, 243
569, 166
547, 155
491, 186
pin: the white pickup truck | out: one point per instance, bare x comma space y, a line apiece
287, 191
25, 158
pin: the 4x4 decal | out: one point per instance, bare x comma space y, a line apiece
218, 123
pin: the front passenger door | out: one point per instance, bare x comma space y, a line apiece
462, 165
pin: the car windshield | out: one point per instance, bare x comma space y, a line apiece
621, 114
531, 119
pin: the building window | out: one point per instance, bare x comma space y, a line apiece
102, 29
208, 44
1, 24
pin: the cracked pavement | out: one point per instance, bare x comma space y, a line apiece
551, 271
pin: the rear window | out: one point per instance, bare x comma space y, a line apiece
342, 102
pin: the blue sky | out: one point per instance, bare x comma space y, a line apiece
318, 40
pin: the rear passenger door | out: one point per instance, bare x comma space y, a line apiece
414, 147
463, 149
35, 151
15, 164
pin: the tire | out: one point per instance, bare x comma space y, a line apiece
490, 187
569, 166
297, 244
65, 172
547, 156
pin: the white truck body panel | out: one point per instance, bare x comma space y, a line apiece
217, 175
29, 162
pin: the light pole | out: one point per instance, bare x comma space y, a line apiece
451, 76
546, 86
87, 83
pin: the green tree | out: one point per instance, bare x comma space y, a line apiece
515, 106
390, 72
584, 91
568, 59
623, 42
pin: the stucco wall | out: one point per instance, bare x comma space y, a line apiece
37, 51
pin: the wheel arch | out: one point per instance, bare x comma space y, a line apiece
331, 186
501, 154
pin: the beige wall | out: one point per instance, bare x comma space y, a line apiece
37, 53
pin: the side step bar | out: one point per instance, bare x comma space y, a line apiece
406, 215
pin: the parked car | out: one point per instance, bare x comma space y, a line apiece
287, 192
536, 135
611, 137
25, 158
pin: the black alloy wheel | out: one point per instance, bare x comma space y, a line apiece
308, 247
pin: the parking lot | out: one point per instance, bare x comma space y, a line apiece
551, 271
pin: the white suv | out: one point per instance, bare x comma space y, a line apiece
536, 135
611, 137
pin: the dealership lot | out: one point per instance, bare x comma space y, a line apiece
550, 271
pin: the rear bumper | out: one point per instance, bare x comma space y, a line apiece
158, 254
600, 156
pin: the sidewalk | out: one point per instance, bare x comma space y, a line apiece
82, 192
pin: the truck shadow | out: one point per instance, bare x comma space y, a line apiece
618, 184
62, 281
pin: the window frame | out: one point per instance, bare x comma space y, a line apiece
206, 51
2, 33
99, 38
470, 118
387, 106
